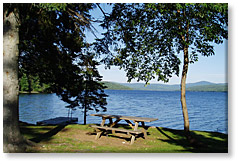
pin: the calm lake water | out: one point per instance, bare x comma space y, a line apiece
208, 111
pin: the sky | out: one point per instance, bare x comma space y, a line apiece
212, 69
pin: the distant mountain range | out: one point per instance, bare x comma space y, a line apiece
198, 86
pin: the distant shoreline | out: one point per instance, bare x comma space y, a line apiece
35, 92
202, 86
159, 90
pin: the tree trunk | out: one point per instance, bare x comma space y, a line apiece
191, 140
12, 138
183, 91
85, 114
185, 39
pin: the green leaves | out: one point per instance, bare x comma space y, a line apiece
53, 49
52, 6
152, 35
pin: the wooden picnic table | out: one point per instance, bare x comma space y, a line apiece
135, 131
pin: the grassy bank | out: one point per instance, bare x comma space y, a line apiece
81, 139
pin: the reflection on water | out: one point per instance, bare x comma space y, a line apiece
207, 110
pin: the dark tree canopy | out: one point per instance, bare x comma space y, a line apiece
53, 48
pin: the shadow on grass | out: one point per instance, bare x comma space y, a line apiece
38, 134
209, 142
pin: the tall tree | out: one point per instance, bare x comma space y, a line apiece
146, 39
49, 39
93, 97
12, 138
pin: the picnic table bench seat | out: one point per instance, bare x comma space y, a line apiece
116, 129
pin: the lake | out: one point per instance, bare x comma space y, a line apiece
208, 111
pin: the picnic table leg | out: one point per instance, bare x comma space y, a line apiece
130, 124
111, 125
111, 121
101, 131
144, 130
133, 135
114, 123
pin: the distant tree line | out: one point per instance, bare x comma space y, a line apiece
29, 83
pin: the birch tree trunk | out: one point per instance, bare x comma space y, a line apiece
183, 92
12, 138
184, 77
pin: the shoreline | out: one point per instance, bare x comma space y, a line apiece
22, 123
36, 92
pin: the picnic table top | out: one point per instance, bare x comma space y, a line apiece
140, 119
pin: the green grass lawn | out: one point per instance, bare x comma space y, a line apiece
81, 139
